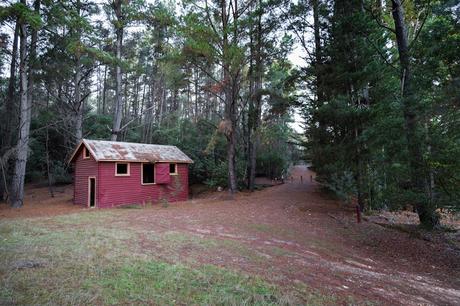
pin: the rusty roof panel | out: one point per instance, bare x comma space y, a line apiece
128, 151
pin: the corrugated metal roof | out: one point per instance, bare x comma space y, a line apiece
129, 151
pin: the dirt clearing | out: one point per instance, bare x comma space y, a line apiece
288, 235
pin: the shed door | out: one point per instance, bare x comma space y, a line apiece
92, 192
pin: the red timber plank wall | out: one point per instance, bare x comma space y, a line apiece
84, 168
119, 190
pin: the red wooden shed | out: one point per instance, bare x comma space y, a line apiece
110, 173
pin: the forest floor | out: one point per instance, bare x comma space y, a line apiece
286, 244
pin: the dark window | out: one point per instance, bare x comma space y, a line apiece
85, 152
122, 169
172, 168
148, 173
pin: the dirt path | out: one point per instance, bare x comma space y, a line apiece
292, 233
289, 234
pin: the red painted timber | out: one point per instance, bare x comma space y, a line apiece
121, 190
84, 168
162, 175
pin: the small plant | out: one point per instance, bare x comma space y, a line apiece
343, 185
164, 203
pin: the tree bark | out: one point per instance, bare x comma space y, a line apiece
196, 96
135, 104
119, 102
7, 134
149, 116
17, 183
425, 210
247, 127
319, 158
9, 102
104, 90
230, 102
48, 166
256, 113
78, 104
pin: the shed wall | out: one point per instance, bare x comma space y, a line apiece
84, 168
119, 190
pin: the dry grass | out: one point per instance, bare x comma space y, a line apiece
92, 258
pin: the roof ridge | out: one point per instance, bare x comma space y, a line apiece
129, 142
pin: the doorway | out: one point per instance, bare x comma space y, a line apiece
91, 192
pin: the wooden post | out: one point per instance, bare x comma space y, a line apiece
301, 179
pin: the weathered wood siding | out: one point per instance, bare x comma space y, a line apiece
162, 175
84, 168
122, 190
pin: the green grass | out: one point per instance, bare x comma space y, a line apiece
94, 258
160, 283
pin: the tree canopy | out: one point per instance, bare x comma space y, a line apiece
376, 82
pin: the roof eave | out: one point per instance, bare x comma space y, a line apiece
70, 160
146, 161
82, 142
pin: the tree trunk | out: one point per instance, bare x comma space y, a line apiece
247, 130
189, 97
426, 211
119, 102
7, 134
146, 135
257, 103
126, 112
78, 104
158, 96
175, 104
33, 57
98, 89
104, 90
135, 104
48, 171
231, 155
230, 101
9, 101
17, 184
319, 158
196, 96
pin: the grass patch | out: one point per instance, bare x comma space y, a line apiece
86, 262
94, 217
131, 206
173, 245
165, 284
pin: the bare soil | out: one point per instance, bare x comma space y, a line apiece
294, 234
39, 203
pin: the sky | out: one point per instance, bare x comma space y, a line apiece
295, 57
